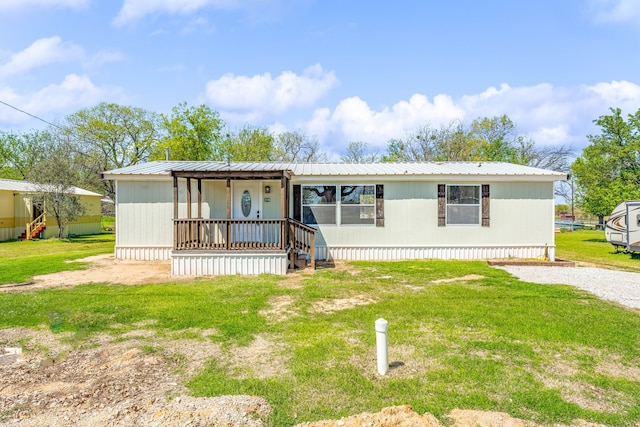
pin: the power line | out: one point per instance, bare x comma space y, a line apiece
29, 114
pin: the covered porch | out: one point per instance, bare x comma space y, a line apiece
250, 239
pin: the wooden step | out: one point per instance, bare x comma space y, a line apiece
301, 260
39, 229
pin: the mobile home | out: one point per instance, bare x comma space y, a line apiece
21, 217
250, 218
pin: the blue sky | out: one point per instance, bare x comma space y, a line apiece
340, 70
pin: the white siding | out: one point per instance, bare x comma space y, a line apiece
145, 213
351, 253
521, 226
195, 264
521, 215
153, 253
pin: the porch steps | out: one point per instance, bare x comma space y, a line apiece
300, 261
39, 229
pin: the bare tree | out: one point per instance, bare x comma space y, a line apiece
54, 178
357, 152
298, 147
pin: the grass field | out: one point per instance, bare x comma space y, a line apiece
545, 353
592, 247
21, 260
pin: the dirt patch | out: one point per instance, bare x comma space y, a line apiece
405, 416
559, 373
333, 305
395, 416
103, 269
618, 369
113, 384
459, 279
280, 309
263, 358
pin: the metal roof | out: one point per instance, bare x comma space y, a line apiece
342, 169
29, 187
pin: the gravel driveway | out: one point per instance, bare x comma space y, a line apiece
613, 285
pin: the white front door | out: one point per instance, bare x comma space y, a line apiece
247, 200
247, 204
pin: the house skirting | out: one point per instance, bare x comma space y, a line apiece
143, 253
196, 263
353, 253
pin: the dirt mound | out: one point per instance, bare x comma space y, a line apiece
113, 384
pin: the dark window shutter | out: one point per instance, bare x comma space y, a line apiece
485, 205
297, 202
379, 205
442, 194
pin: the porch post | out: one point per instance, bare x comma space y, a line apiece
284, 203
228, 198
199, 223
189, 198
175, 212
199, 198
283, 197
228, 213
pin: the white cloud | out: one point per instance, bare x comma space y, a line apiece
133, 10
40, 53
616, 11
550, 115
263, 95
616, 93
73, 93
257, 10
354, 120
198, 25
9, 5
104, 57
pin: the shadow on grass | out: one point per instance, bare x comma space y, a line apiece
90, 238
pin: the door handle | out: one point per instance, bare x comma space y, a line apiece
258, 212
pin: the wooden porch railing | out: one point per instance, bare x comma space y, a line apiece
229, 234
302, 237
36, 224
244, 234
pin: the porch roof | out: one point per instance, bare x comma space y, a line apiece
276, 169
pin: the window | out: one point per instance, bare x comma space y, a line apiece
339, 204
463, 204
357, 204
319, 204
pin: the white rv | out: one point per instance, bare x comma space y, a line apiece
623, 226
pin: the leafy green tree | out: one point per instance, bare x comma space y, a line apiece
297, 147
358, 152
19, 152
54, 177
494, 138
110, 136
608, 170
249, 144
191, 133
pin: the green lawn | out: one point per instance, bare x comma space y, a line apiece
21, 260
546, 353
592, 247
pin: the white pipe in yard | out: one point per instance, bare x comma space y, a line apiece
382, 346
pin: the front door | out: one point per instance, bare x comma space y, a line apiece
247, 204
